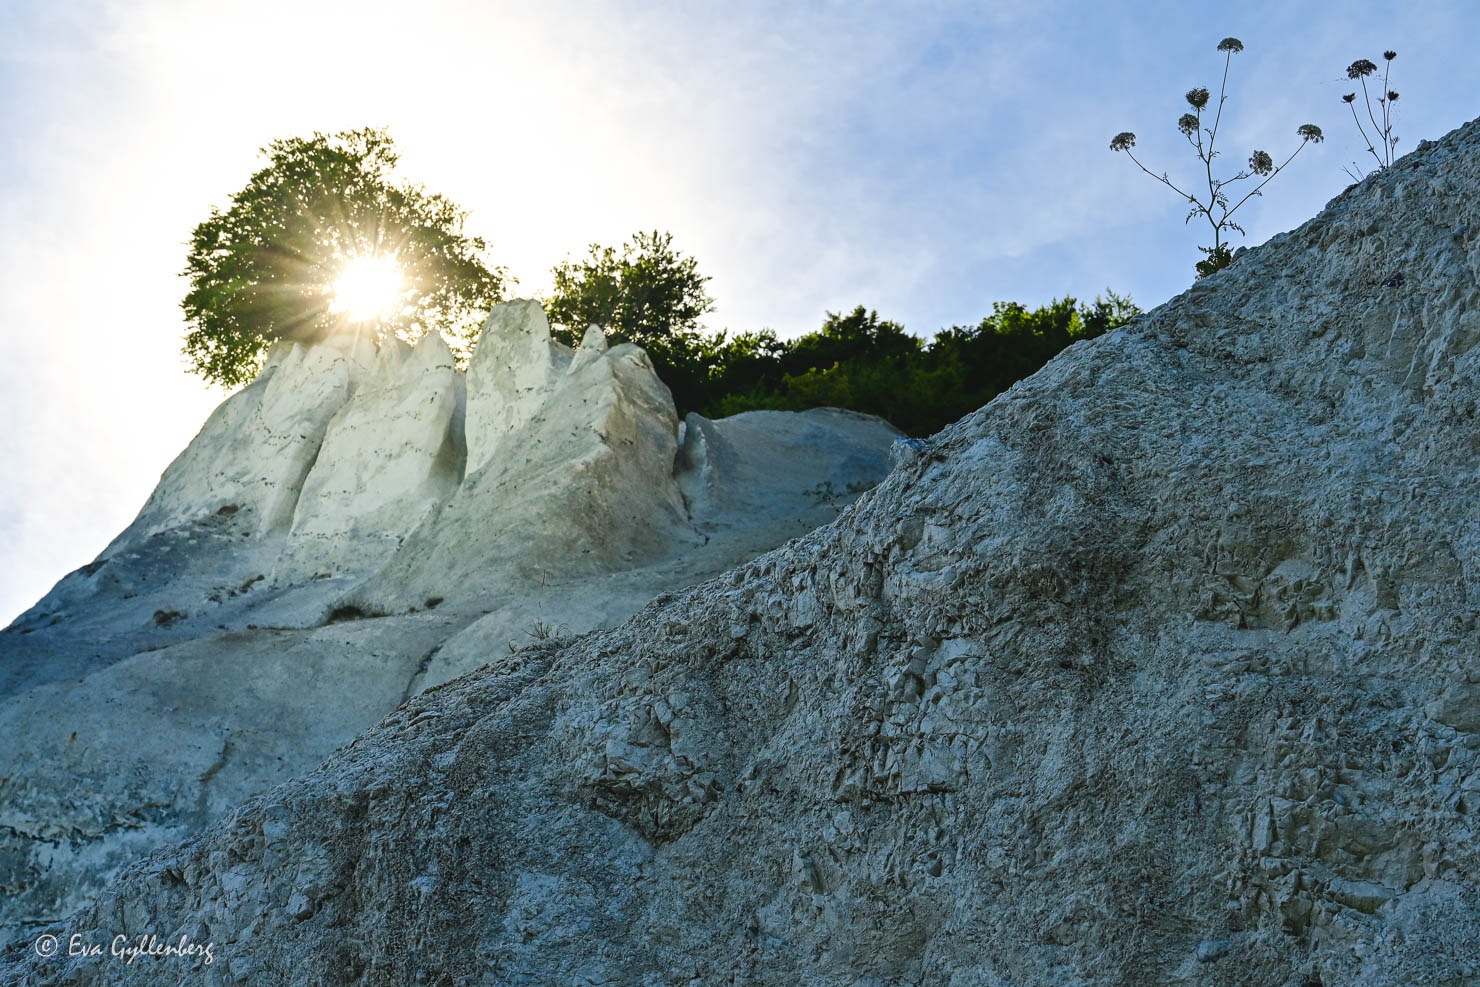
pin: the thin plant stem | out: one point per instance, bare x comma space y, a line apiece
1255, 191
1367, 98
1162, 178
1212, 189
1387, 125
1208, 160
1222, 88
1371, 150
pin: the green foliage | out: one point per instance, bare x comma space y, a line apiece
1217, 207
1383, 131
1216, 260
685, 361
263, 270
860, 336
1104, 314
864, 363
647, 294
751, 361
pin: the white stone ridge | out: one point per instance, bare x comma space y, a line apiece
392, 471
343, 455
258, 446
582, 480
390, 457
512, 372
593, 345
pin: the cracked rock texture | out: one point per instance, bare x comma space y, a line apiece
1159, 669
353, 527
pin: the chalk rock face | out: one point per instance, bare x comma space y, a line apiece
570, 470
391, 455
258, 447
511, 375
197, 556
323, 550
147, 750
750, 465
1159, 669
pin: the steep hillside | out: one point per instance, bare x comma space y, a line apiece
348, 529
1159, 669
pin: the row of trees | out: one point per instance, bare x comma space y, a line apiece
868, 364
325, 239
649, 294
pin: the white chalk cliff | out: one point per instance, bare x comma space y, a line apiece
350, 528
1161, 668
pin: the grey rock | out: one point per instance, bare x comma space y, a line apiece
1172, 643
323, 550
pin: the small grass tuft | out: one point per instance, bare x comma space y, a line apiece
350, 611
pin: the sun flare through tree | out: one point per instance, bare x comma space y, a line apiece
325, 240
369, 288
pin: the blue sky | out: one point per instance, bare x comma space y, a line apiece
924, 159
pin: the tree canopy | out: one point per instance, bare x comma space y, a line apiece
864, 363
325, 230
313, 235
647, 294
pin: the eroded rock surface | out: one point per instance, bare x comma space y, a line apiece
350, 528
392, 454
1159, 669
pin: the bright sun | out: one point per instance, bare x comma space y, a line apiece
367, 289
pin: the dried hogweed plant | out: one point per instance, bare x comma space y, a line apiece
1383, 132
1218, 208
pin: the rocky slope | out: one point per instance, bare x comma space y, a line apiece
351, 528
1159, 669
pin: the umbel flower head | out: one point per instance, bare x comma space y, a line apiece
1231, 44
1123, 141
1348, 97
1390, 55
1187, 123
1359, 68
1310, 132
1197, 97
1261, 163
1392, 96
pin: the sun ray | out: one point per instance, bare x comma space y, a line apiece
367, 288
